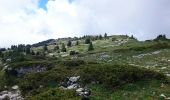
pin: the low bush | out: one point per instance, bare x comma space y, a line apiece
72, 63
73, 53
31, 63
56, 94
30, 83
155, 46
115, 75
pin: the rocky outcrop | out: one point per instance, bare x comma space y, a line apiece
36, 69
72, 83
14, 94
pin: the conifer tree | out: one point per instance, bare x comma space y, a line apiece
56, 48
87, 41
77, 42
45, 48
100, 37
105, 35
69, 43
90, 47
63, 48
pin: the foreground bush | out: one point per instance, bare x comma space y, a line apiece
73, 63
115, 75
30, 83
56, 94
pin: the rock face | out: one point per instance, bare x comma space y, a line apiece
83, 92
72, 83
14, 94
36, 69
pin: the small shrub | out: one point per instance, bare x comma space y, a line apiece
72, 63
56, 94
73, 53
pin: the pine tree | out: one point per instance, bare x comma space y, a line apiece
161, 37
132, 37
105, 35
87, 41
63, 49
45, 48
77, 42
28, 49
32, 52
37, 53
100, 37
69, 43
56, 48
0, 53
90, 47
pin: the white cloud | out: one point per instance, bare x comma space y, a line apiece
22, 21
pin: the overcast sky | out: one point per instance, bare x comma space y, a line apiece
31, 21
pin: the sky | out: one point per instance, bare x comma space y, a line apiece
31, 21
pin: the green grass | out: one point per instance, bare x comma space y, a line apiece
141, 90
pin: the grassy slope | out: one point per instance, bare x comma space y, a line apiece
142, 90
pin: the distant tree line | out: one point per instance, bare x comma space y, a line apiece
43, 43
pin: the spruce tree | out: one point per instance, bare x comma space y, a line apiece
69, 43
63, 48
90, 47
45, 48
37, 53
56, 48
32, 53
28, 49
132, 37
77, 42
0, 53
100, 37
87, 41
105, 35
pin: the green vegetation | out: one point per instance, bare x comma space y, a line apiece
56, 94
112, 67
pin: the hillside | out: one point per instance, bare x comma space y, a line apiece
115, 67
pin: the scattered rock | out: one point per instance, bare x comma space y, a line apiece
83, 92
8, 60
146, 54
5, 67
156, 52
73, 86
168, 75
71, 83
162, 95
163, 68
162, 85
79, 90
23, 71
15, 94
15, 87
74, 79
